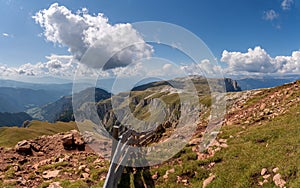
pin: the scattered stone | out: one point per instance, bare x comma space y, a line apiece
50, 174
266, 176
171, 170
81, 167
85, 175
223, 145
275, 170
279, 181
263, 106
223, 140
208, 180
263, 171
211, 165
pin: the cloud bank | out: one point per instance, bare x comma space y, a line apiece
257, 60
57, 66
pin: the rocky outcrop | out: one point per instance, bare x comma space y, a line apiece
45, 159
68, 141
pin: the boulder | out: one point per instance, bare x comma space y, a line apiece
279, 181
68, 141
73, 140
23, 147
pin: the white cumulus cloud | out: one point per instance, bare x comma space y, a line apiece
78, 31
270, 15
287, 4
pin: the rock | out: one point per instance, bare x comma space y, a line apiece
36, 147
55, 185
23, 147
155, 176
171, 170
275, 170
212, 164
179, 179
79, 142
262, 106
50, 174
85, 175
68, 141
185, 182
166, 176
266, 176
224, 145
16, 168
279, 181
21, 181
222, 140
81, 167
40, 154
208, 180
263, 171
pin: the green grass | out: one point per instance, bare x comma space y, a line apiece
10, 136
272, 144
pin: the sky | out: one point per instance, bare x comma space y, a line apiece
246, 37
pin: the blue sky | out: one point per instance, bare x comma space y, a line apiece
231, 25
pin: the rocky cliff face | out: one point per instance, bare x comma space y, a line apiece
150, 96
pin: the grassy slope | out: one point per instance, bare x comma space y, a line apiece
9, 136
272, 144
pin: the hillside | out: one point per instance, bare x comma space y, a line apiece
21, 99
9, 136
257, 146
62, 110
13, 119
